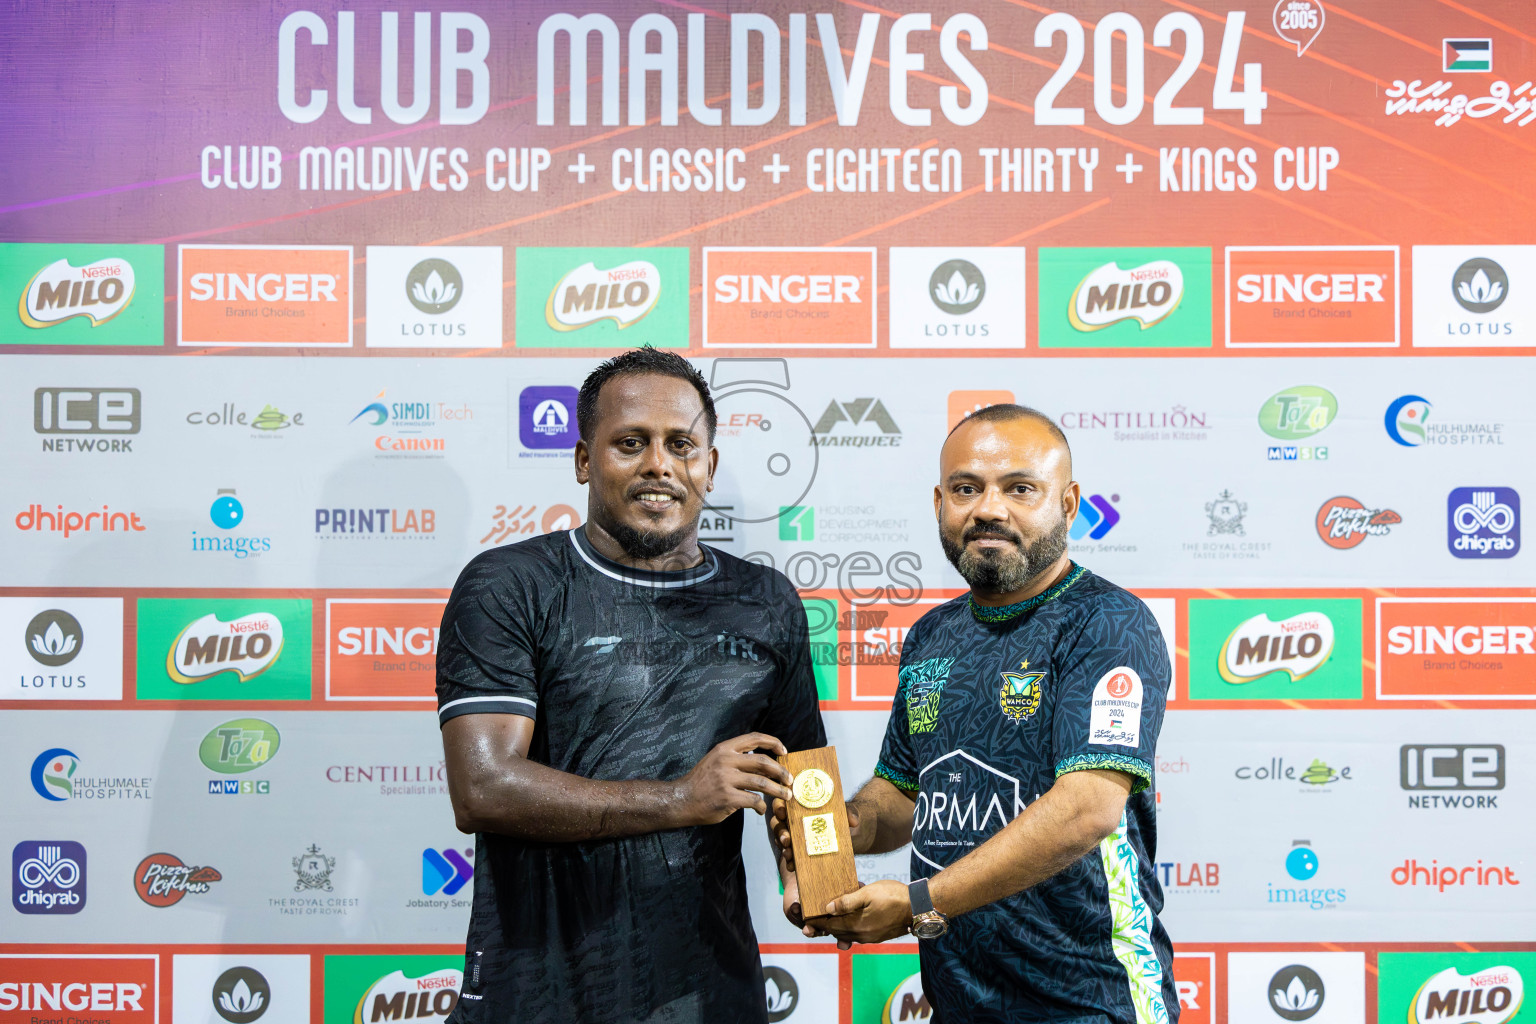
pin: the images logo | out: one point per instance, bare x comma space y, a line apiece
265, 295
1483, 522
446, 871
434, 296
54, 638
109, 411
241, 995
381, 649
48, 877
1343, 522
1125, 298
53, 772
161, 879
602, 297
1296, 992
1274, 649
1095, 517
1297, 412
547, 418
248, 646
1302, 865
957, 298
226, 513
223, 649
790, 298
1312, 296
239, 746
84, 294
1467, 55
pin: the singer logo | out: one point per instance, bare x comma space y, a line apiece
1312, 297
1467, 648
109, 989
265, 295
789, 298
381, 649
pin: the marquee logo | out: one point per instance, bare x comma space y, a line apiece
1109, 294
1473, 648
623, 294
399, 997
1483, 522
1343, 522
247, 646
162, 880
258, 295
1489, 996
1312, 296
381, 649
48, 877
1125, 298
1296, 646
110, 989
792, 298
97, 291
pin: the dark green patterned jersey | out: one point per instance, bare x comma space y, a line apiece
992, 706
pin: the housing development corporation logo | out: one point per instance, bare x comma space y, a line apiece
434, 296
48, 877
1343, 522
1467, 296
789, 298
957, 298
602, 297
268, 295
1483, 522
93, 420
1312, 296
84, 294
1125, 298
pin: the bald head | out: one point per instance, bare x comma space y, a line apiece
1008, 412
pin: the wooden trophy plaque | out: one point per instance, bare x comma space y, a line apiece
818, 830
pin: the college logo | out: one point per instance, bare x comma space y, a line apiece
1096, 516
61, 649
241, 995
267, 423
48, 877
224, 649
1020, 695
446, 871
602, 298
1483, 522
1471, 774
1467, 55
265, 295
381, 649
226, 513
434, 296
546, 418
113, 412
957, 298
789, 298
1468, 296
112, 989
1275, 649
162, 880
84, 294
1316, 774
1312, 296
1125, 298
1455, 648
1342, 522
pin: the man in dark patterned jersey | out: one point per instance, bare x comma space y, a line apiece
1018, 760
603, 695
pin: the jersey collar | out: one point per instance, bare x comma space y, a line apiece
1005, 612
705, 570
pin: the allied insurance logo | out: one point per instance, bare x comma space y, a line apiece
1125, 298
235, 295
602, 297
1312, 297
1275, 649
790, 298
1448, 648
84, 294
1483, 522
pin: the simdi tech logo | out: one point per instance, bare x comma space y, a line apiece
376, 989
433, 296
1312, 296
84, 294
1125, 298
602, 297
1453, 987
1455, 648
1275, 649
223, 649
957, 298
110, 988
54, 648
790, 298
1468, 296
265, 295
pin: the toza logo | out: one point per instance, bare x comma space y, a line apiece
239, 746
1483, 522
1342, 522
1297, 646
247, 646
1297, 412
587, 295
97, 291
1147, 294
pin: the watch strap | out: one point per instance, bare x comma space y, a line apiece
917, 892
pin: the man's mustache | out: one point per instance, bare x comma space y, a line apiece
997, 530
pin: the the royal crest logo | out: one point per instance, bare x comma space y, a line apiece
623, 294
313, 870
1297, 646
248, 646
1109, 294
1020, 695
923, 685
1226, 516
97, 291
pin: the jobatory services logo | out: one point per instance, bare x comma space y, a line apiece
1312, 297
265, 295
373, 989
56, 777
1483, 522
1125, 298
1463, 55
444, 872
602, 297
263, 422
546, 421
223, 649
226, 513
54, 648
381, 648
1471, 296
1294, 414
1275, 649
84, 294
1452, 776
1343, 522
410, 429
514, 522
48, 876
1453, 987
957, 298
163, 879
88, 420
1411, 422
790, 298
434, 296
114, 988
1096, 516
1450, 648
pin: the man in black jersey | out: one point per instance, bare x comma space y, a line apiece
605, 695
1018, 761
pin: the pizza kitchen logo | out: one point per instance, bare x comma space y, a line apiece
163, 880
1343, 522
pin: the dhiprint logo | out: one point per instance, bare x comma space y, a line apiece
1343, 522
241, 995
546, 418
1483, 522
434, 296
446, 871
54, 638
48, 877
1096, 516
53, 773
434, 286
1296, 992
1480, 285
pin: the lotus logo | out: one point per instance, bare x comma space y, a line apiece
781, 991
1480, 285
1490, 996
1147, 294
97, 291
1296, 992
434, 286
241, 995
957, 287
1297, 646
54, 637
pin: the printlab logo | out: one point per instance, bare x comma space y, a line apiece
1483, 522
54, 638
1226, 516
1296, 992
445, 871
241, 995
547, 418
781, 992
105, 415
434, 286
53, 773
1467, 55
1343, 522
48, 877
1096, 516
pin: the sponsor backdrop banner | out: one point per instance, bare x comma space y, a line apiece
292, 328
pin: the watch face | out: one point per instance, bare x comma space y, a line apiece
930, 928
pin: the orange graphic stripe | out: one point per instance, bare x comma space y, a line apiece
1055, 222
728, 217
909, 215
1480, 16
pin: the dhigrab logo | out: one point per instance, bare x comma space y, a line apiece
1483, 522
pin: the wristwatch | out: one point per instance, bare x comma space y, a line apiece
927, 923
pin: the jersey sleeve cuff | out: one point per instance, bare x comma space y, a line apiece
1139, 771
498, 705
897, 778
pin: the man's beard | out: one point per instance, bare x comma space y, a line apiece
1000, 570
642, 545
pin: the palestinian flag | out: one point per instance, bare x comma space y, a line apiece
1468, 54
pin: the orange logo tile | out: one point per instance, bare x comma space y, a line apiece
300, 295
